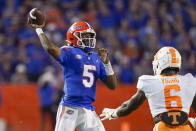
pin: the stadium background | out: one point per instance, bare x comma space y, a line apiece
132, 30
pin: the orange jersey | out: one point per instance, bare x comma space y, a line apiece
165, 93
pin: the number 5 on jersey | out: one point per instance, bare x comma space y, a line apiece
88, 75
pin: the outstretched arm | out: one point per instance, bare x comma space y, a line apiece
110, 80
34, 21
126, 108
132, 104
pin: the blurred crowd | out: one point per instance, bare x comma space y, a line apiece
132, 30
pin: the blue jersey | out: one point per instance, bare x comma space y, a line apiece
80, 72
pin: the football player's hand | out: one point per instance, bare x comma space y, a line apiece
193, 121
36, 19
103, 55
109, 114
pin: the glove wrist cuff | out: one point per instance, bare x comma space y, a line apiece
114, 114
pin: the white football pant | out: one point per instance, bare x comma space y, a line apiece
69, 118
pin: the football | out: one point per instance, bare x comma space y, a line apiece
36, 17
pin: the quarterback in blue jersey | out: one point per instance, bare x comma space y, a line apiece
81, 68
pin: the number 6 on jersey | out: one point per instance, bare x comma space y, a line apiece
169, 98
88, 76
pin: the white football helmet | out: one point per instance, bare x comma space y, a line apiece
164, 58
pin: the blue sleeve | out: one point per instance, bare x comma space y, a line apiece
102, 72
64, 57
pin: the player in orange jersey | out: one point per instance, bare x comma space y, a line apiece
169, 94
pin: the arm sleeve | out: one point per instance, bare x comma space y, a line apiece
102, 72
140, 84
64, 57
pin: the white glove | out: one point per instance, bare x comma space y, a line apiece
109, 114
192, 121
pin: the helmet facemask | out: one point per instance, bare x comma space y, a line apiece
86, 39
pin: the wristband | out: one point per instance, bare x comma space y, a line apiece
108, 69
114, 114
39, 31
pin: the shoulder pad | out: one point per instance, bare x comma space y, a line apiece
66, 46
146, 77
189, 75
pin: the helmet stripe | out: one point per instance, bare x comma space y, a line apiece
156, 57
88, 25
173, 55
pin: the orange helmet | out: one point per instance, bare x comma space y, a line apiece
81, 35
